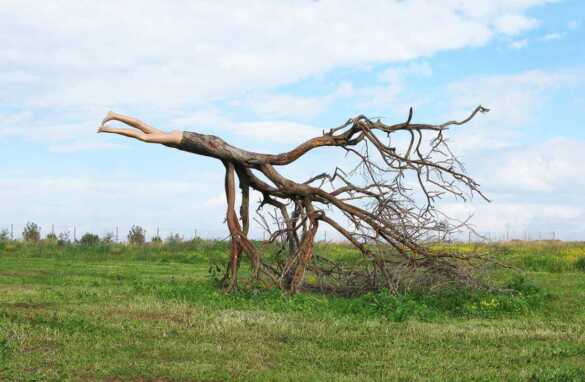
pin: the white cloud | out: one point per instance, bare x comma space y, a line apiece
534, 185
399, 74
77, 146
99, 205
552, 166
388, 93
523, 220
513, 24
60, 137
518, 44
179, 53
273, 131
287, 105
218, 200
514, 100
210, 117
552, 36
277, 131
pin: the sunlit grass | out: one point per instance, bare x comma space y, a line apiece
131, 313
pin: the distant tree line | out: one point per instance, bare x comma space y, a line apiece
136, 236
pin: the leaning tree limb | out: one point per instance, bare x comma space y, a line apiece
387, 201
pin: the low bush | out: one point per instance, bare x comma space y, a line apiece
89, 240
52, 237
580, 264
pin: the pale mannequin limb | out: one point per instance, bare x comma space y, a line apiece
136, 123
147, 133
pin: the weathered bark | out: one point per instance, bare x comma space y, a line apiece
381, 210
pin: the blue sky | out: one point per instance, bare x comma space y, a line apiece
267, 75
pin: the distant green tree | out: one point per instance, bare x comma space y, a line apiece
31, 232
136, 235
108, 238
63, 238
4, 235
89, 239
52, 237
174, 239
156, 240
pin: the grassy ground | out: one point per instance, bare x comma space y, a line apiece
119, 314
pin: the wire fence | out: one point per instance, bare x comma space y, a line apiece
119, 233
504, 236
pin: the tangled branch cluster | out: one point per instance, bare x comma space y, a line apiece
384, 206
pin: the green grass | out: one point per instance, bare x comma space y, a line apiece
151, 314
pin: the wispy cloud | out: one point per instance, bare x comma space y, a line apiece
154, 54
519, 44
573, 25
552, 36
77, 146
513, 24
274, 131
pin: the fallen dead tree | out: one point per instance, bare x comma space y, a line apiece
385, 206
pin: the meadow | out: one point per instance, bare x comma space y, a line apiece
153, 313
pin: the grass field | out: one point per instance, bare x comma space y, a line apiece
115, 313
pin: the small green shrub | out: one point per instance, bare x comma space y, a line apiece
52, 237
89, 240
580, 264
397, 308
521, 284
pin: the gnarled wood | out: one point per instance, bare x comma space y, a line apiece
381, 209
